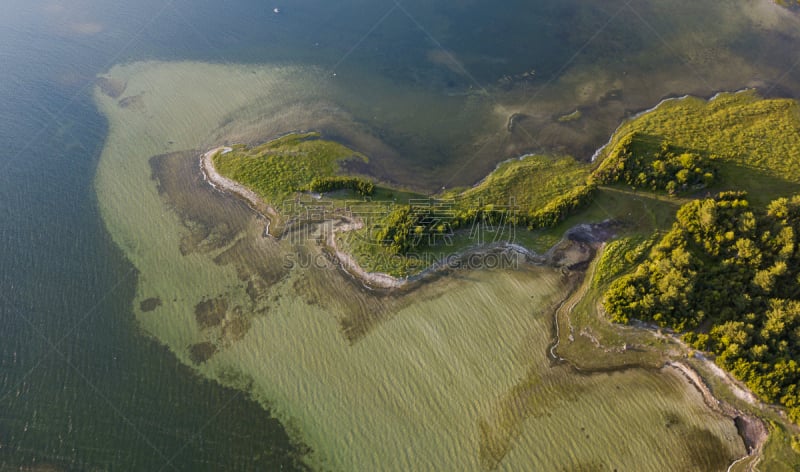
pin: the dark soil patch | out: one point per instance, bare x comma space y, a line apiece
752, 431
210, 313
236, 329
201, 352
150, 304
111, 87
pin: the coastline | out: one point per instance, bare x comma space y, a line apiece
218, 181
351, 267
628, 119
346, 262
751, 428
557, 256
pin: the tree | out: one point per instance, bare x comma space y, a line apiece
735, 272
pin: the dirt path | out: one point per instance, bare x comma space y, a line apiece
566, 307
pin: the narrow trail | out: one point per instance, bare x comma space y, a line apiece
565, 308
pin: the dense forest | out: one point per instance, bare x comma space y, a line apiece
410, 226
729, 277
329, 184
651, 163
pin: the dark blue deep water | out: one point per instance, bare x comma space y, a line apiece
80, 387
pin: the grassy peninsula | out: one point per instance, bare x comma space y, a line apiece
403, 231
683, 149
293, 163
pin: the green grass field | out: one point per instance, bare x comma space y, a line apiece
279, 168
755, 141
779, 454
531, 182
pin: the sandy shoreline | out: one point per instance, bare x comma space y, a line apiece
751, 428
225, 184
346, 262
349, 264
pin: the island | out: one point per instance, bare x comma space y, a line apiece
681, 242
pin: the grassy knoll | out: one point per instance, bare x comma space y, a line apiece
540, 191
531, 182
279, 168
741, 129
640, 213
620, 256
